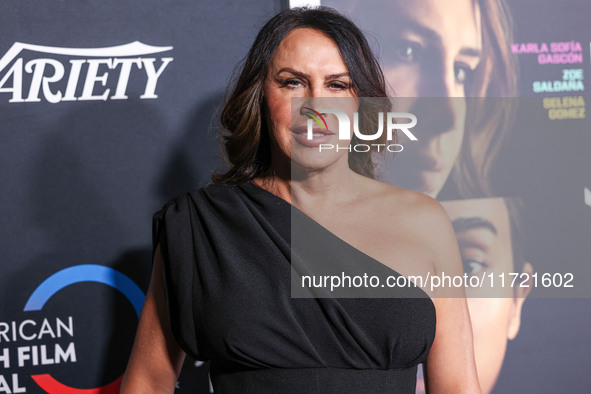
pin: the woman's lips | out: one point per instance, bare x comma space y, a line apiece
320, 136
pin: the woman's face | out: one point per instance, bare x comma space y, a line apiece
307, 65
484, 236
433, 47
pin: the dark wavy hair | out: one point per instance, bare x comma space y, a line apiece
488, 121
246, 141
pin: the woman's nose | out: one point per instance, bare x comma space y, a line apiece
441, 81
315, 102
315, 91
441, 100
438, 115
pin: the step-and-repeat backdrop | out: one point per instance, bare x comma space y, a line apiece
108, 110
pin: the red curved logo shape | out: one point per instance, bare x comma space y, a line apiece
52, 386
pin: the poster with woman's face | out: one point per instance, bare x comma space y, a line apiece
506, 150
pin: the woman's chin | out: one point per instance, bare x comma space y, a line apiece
431, 182
314, 158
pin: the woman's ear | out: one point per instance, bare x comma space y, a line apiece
520, 294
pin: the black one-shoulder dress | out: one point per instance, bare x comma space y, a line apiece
227, 258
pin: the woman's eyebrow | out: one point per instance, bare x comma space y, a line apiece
304, 75
420, 29
431, 35
336, 76
464, 224
294, 72
472, 52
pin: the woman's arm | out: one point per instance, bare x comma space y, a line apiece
156, 359
450, 366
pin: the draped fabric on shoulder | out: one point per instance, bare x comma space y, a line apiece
171, 230
227, 266
198, 233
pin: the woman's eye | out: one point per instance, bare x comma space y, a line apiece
408, 51
463, 73
293, 83
472, 266
338, 86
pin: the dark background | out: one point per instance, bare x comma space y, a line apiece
80, 181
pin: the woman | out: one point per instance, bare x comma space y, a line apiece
445, 49
489, 236
224, 257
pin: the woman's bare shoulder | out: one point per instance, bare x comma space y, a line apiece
417, 213
405, 202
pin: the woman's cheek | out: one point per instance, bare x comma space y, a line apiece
279, 107
403, 81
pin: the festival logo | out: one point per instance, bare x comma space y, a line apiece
40, 345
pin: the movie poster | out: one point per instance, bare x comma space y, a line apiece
509, 159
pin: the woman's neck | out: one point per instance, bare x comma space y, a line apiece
312, 188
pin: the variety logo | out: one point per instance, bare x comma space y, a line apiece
59, 74
29, 330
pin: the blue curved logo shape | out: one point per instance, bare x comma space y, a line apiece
86, 273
